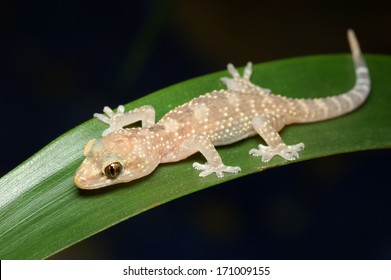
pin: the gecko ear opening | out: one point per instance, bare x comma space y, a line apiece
88, 146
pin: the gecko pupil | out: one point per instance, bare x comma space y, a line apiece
113, 170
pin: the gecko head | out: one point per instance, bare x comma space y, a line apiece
116, 158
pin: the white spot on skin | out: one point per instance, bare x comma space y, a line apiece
233, 99
171, 125
201, 112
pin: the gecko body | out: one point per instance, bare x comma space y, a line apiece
216, 118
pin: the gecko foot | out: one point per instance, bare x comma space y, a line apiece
238, 82
285, 151
207, 169
111, 118
234, 82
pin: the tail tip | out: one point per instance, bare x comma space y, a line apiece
355, 47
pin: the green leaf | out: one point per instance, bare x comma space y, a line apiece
42, 212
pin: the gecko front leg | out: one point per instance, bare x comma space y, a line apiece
200, 143
214, 163
267, 127
120, 119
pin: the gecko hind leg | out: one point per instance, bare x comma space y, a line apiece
235, 83
120, 119
235, 73
238, 82
288, 152
267, 127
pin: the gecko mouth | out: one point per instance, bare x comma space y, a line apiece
88, 184
89, 178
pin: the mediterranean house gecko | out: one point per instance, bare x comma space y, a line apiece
216, 118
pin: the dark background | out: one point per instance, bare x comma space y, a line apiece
61, 61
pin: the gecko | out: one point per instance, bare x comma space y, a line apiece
220, 117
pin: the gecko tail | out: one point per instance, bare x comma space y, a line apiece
353, 43
319, 109
360, 91
357, 56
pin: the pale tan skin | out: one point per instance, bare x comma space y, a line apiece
217, 118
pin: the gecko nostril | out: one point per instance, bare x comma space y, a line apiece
80, 182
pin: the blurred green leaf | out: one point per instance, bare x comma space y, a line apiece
42, 212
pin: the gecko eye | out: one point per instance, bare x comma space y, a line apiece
113, 170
